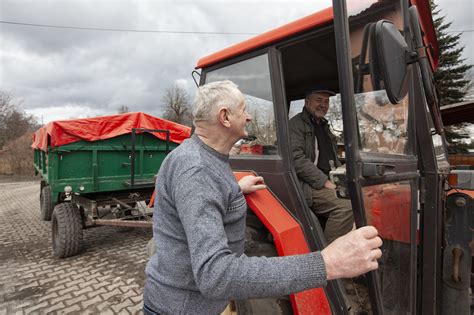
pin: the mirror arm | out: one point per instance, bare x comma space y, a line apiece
421, 51
363, 68
416, 55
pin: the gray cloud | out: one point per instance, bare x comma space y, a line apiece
459, 12
63, 73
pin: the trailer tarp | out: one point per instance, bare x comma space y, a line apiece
57, 133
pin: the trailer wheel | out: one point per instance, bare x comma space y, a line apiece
46, 203
258, 242
67, 230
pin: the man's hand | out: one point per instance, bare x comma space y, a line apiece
353, 254
328, 184
250, 183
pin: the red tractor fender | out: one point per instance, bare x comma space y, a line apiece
289, 240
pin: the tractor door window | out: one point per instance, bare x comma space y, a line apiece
253, 78
383, 126
385, 133
387, 207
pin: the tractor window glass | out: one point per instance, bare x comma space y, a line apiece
439, 149
438, 145
387, 208
383, 127
253, 78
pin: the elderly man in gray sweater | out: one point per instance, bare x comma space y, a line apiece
199, 225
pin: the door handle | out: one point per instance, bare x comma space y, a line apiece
375, 169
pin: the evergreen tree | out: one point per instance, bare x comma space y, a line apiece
450, 77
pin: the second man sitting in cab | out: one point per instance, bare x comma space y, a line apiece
314, 153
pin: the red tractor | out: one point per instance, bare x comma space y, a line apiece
379, 57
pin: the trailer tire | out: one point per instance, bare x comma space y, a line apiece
66, 230
46, 203
258, 242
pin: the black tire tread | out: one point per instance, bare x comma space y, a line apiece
67, 230
46, 203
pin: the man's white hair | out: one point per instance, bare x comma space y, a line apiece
214, 95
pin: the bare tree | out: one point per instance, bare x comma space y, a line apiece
6, 107
14, 123
123, 109
12, 156
16, 128
177, 106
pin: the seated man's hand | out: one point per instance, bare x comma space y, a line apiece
328, 184
250, 183
353, 254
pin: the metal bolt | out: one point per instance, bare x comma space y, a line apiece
460, 202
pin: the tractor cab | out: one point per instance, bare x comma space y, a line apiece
378, 56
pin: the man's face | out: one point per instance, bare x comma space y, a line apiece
240, 118
317, 105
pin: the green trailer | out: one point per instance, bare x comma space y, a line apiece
99, 170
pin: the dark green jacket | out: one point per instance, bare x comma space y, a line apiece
303, 143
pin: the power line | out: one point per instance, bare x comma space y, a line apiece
147, 31
122, 30
461, 31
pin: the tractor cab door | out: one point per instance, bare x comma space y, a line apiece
381, 177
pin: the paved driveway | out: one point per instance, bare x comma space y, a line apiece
106, 277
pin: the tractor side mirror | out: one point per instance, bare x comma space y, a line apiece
388, 59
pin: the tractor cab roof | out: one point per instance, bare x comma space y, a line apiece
314, 21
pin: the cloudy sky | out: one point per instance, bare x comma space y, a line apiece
61, 73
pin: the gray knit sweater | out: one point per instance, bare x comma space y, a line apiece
198, 228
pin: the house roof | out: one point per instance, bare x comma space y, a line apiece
458, 113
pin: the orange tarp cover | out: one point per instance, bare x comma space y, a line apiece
57, 133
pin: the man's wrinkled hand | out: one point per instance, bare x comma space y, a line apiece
250, 183
353, 254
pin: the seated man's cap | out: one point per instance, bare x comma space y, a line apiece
319, 88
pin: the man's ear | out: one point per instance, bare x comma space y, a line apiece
223, 117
